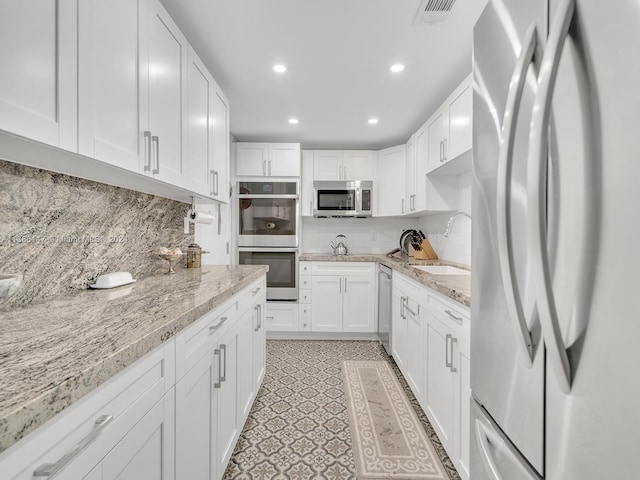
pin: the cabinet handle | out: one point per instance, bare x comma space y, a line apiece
403, 206
219, 382
215, 175
441, 151
345, 285
311, 208
156, 140
260, 316
446, 350
49, 470
444, 150
452, 316
402, 315
340, 285
257, 309
255, 290
147, 153
213, 328
269, 167
454, 340
223, 350
220, 225
212, 176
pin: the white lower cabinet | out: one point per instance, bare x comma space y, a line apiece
430, 344
143, 424
281, 317
343, 297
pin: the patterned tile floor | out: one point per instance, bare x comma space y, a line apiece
298, 428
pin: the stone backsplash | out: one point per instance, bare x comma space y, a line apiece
61, 232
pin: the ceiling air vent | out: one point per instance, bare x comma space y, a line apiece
433, 11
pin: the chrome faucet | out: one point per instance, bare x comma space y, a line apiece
452, 220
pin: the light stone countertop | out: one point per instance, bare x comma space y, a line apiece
456, 287
55, 352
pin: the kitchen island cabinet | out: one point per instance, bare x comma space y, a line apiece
157, 423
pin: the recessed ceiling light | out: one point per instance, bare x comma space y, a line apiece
398, 67
279, 68
373, 121
293, 121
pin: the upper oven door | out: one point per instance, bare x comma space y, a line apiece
267, 214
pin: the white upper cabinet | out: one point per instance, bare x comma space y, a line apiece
327, 165
390, 187
38, 84
450, 132
357, 164
111, 88
416, 171
268, 159
168, 50
343, 164
207, 148
306, 184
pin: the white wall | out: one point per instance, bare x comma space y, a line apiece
456, 247
364, 235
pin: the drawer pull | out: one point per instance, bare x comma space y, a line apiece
255, 290
456, 319
213, 328
50, 469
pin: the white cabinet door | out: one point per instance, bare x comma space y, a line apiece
199, 149
357, 165
399, 332
147, 451
326, 309
306, 184
390, 186
327, 165
221, 148
436, 127
460, 106
251, 159
228, 408
358, 312
462, 363
284, 160
244, 362
112, 82
281, 317
259, 345
440, 381
415, 352
410, 176
168, 50
195, 421
420, 174
38, 84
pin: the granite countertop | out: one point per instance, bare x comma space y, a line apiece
456, 287
55, 352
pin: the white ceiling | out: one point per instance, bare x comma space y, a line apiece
338, 54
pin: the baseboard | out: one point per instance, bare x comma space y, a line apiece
321, 336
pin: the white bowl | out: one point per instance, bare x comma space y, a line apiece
9, 285
112, 280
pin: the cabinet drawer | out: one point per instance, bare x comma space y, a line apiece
342, 268
125, 397
250, 295
305, 268
305, 281
304, 318
455, 316
305, 296
282, 317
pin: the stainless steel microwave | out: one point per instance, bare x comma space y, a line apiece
349, 198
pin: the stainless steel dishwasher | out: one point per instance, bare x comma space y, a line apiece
384, 306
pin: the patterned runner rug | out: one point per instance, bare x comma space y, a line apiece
388, 439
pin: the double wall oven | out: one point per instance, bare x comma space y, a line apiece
268, 232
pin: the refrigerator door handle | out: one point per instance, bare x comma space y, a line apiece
536, 178
484, 436
505, 164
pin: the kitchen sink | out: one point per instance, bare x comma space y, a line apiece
442, 269
9, 285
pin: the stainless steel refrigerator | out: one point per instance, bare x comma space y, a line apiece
555, 332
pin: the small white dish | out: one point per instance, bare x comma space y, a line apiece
112, 280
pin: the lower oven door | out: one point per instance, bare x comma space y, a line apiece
282, 277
